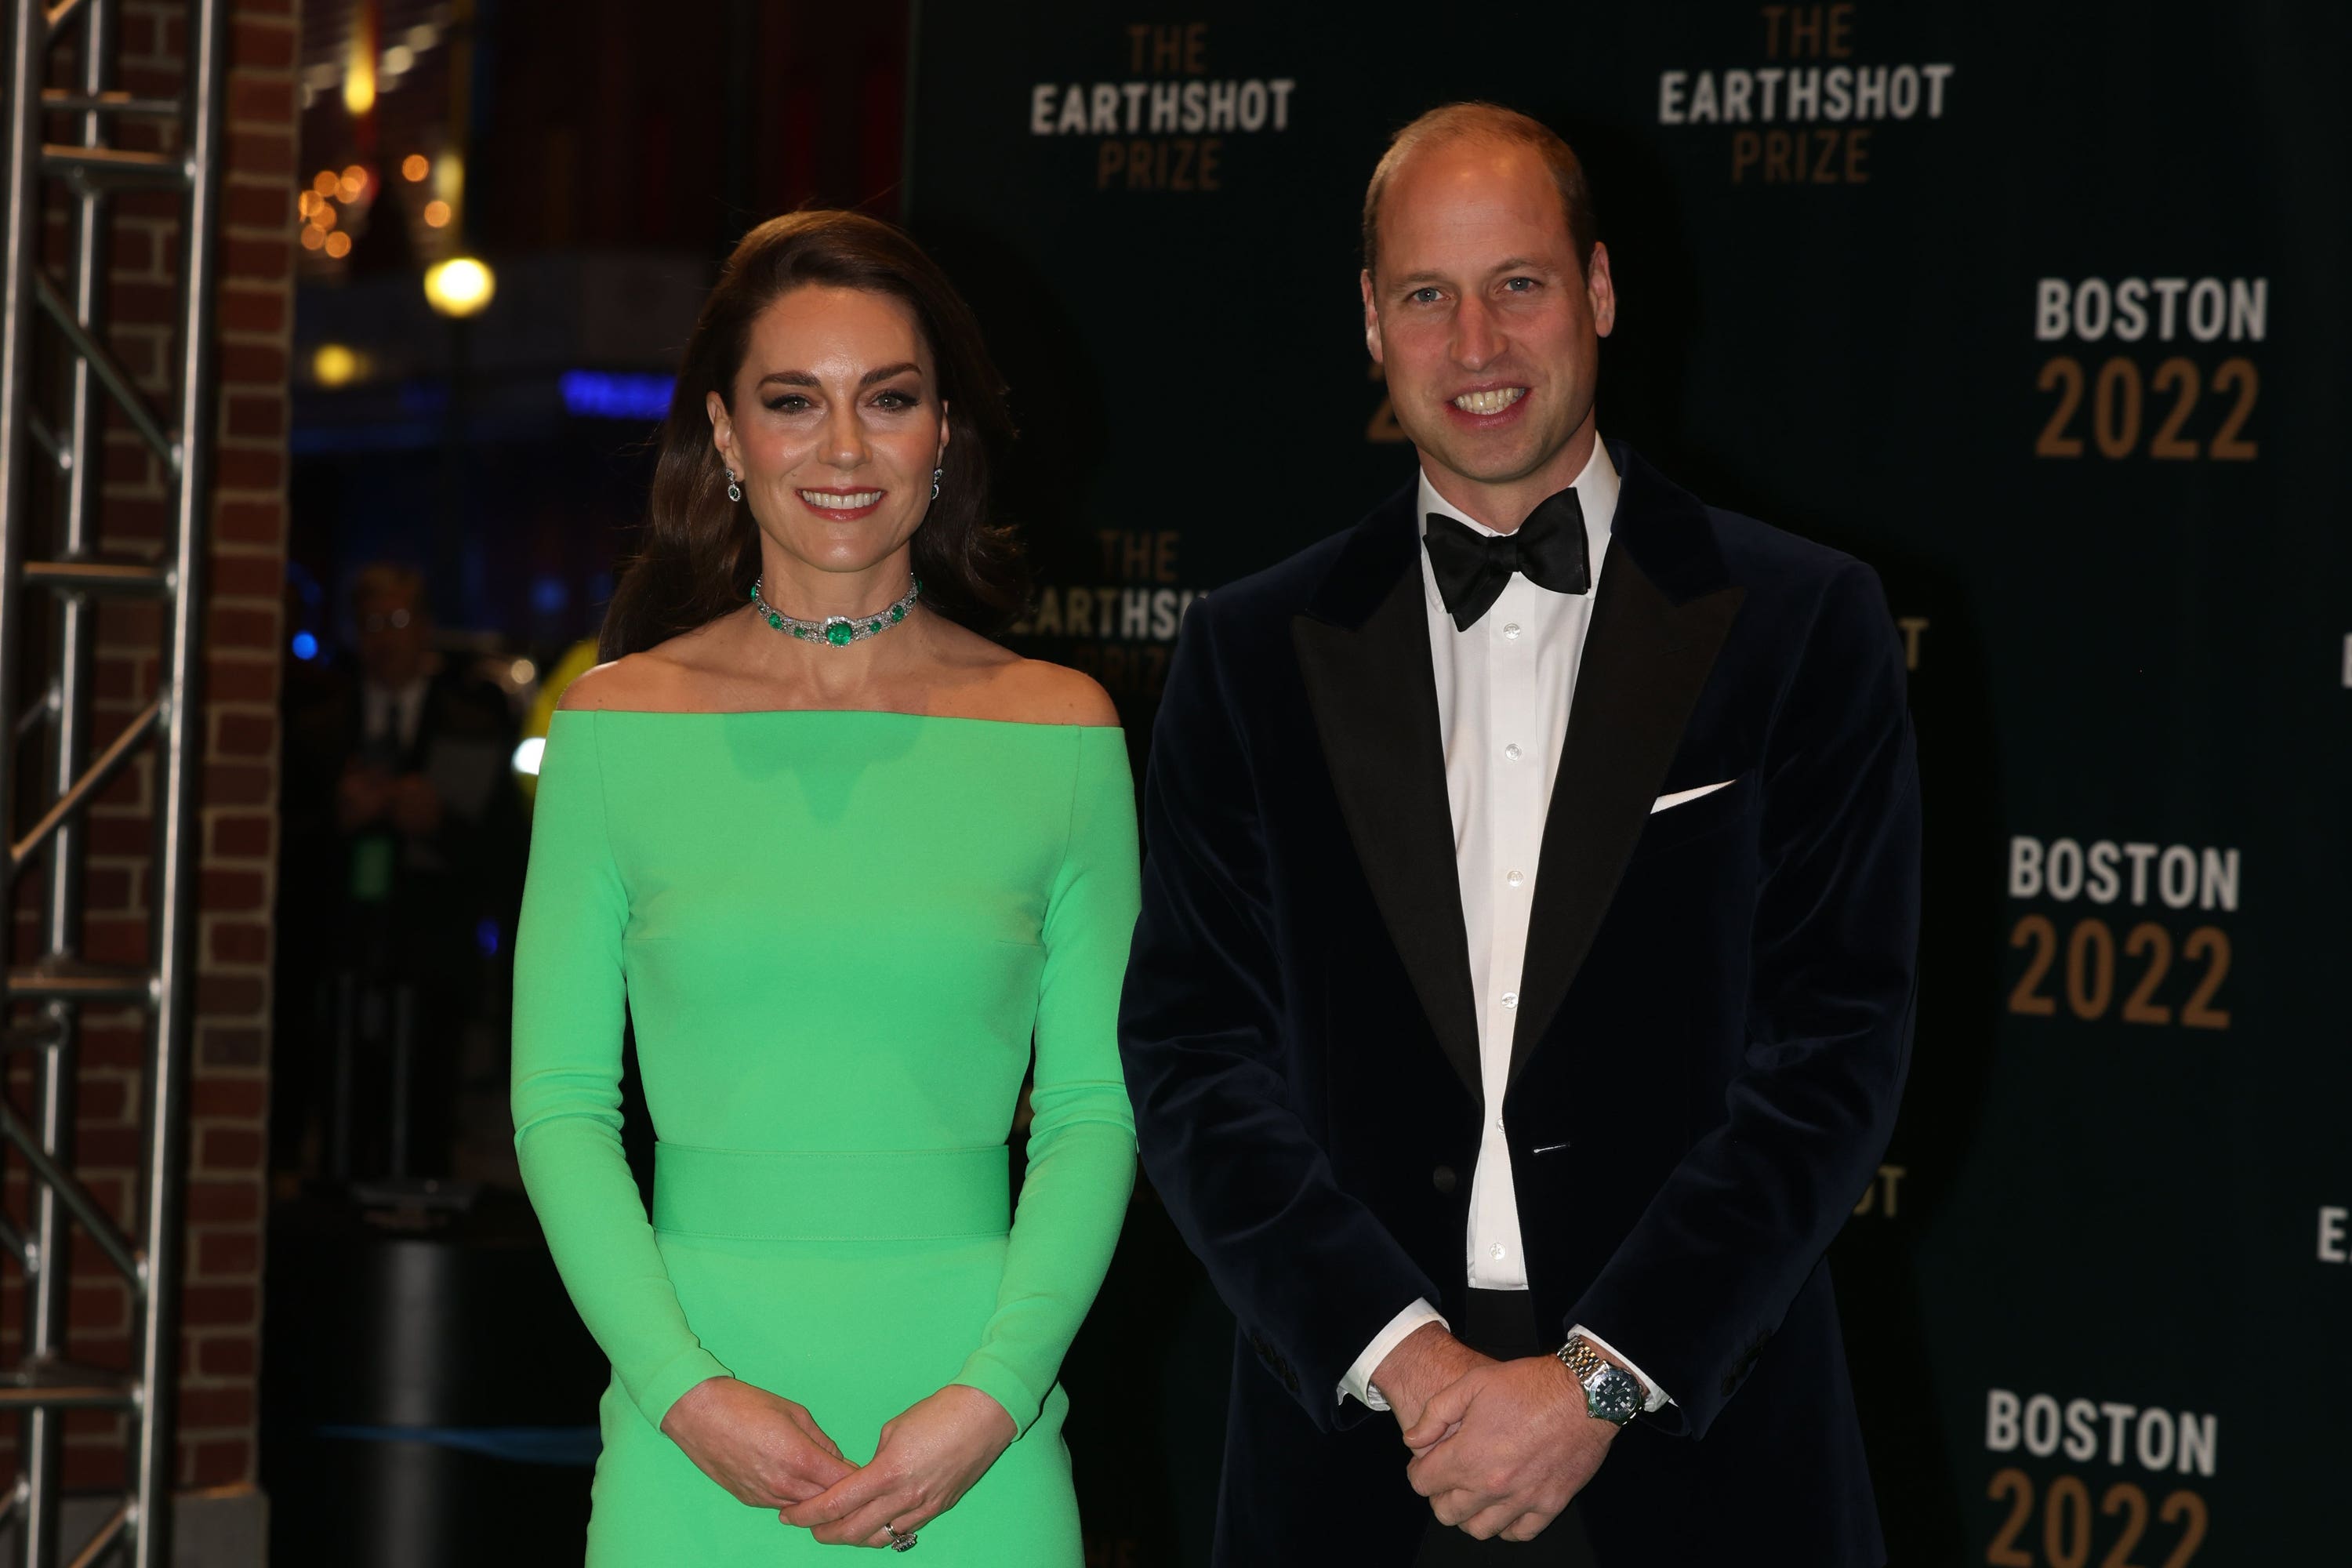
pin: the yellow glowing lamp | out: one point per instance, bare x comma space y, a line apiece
334, 364
461, 285
358, 58
359, 83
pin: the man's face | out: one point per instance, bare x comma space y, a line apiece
393, 635
1488, 329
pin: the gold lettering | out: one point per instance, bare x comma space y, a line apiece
1822, 174
1816, 156
1912, 626
1804, 31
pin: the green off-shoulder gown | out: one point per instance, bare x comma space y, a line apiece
838, 936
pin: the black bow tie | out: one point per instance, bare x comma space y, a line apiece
1471, 567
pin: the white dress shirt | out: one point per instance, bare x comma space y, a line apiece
1503, 693
391, 712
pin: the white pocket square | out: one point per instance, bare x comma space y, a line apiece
1681, 796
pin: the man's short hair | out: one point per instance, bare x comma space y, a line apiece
383, 579
1475, 121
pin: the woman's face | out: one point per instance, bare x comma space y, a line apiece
837, 426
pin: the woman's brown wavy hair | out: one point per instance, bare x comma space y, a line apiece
699, 551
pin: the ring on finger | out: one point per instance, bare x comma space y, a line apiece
898, 1542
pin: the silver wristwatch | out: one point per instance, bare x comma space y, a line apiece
1611, 1393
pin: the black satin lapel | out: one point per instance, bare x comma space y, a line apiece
1375, 702
1645, 662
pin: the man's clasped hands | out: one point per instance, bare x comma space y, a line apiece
769, 1452
1500, 1448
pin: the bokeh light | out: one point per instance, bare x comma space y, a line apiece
461, 285
334, 364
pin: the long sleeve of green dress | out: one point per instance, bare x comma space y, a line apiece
839, 934
569, 1001
1081, 1165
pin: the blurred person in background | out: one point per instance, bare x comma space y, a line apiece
405, 846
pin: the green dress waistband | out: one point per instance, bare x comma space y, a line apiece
878, 1194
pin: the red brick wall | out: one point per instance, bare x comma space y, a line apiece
222, 1300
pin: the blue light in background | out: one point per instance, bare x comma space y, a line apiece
614, 395
550, 594
486, 937
305, 646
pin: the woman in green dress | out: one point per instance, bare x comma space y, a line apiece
849, 865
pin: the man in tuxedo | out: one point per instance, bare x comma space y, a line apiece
1523, 990
404, 834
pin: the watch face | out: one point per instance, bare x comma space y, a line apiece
1612, 1395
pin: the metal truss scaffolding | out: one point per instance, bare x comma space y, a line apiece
55, 389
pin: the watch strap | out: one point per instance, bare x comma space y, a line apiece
1588, 1367
1581, 1359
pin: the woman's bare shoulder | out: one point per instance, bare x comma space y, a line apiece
991, 682
1033, 691
666, 679
686, 674
622, 683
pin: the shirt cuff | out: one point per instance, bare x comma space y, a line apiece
1359, 1378
1658, 1399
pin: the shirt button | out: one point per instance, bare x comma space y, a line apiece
1512, 631
1516, 878
1510, 998
1512, 751
1498, 1124
1495, 1251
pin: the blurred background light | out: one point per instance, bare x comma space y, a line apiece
606, 395
335, 364
461, 285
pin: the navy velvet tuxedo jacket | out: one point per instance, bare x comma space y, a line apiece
1712, 1038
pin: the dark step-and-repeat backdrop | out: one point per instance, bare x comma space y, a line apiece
2040, 309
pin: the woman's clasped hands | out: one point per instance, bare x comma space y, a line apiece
764, 1450
927, 1459
770, 1453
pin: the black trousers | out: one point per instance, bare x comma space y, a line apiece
1502, 1324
